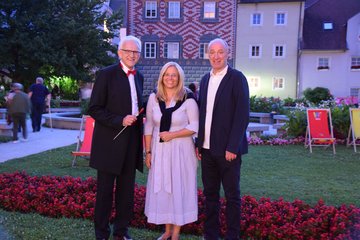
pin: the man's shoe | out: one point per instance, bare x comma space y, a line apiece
123, 237
15, 141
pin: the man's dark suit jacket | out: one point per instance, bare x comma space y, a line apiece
110, 103
230, 115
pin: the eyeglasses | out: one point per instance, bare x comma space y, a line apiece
174, 75
219, 53
129, 52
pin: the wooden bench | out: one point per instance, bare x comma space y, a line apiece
263, 117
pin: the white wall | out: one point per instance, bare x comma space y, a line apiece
267, 35
339, 78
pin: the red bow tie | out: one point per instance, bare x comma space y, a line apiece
133, 72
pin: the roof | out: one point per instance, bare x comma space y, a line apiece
308, 3
315, 37
268, 1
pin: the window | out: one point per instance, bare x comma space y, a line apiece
323, 64
150, 9
328, 26
254, 82
209, 10
280, 18
355, 63
278, 83
279, 51
255, 51
354, 93
171, 50
174, 10
204, 51
256, 19
150, 50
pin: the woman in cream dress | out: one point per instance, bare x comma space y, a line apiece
171, 122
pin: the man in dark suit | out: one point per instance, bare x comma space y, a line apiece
115, 102
223, 119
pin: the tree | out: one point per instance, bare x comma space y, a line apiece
55, 38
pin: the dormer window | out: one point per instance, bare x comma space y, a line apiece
328, 26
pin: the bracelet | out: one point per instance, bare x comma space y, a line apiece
148, 152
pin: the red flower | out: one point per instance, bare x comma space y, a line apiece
261, 219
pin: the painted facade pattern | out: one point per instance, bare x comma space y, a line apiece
191, 30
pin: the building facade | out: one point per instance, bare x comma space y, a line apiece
268, 34
330, 50
179, 31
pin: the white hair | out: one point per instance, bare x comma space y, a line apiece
127, 39
222, 41
40, 80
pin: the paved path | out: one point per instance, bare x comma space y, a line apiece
37, 142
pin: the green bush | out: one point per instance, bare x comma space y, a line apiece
296, 125
341, 121
265, 104
317, 95
289, 102
2, 99
55, 103
84, 106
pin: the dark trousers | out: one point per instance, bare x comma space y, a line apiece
216, 171
19, 120
36, 113
124, 199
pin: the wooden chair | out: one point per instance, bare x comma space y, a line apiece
83, 147
354, 129
319, 131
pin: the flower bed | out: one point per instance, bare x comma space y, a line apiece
261, 219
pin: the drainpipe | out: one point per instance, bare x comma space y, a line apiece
300, 30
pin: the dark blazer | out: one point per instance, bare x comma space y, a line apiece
110, 102
230, 115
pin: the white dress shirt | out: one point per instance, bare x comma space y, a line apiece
214, 82
134, 100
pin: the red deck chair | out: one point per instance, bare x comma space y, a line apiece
83, 147
319, 131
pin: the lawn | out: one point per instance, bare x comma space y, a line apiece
290, 172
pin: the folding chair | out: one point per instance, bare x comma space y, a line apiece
319, 131
354, 129
83, 146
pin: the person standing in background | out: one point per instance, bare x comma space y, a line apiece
223, 120
194, 88
19, 107
40, 97
115, 103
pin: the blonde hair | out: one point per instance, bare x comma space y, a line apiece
180, 89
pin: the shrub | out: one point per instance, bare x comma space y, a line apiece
265, 104
2, 99
296, 125
289, 102
55, 103
317, 95
341, 121
84, 106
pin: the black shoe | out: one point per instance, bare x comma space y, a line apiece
126, 236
